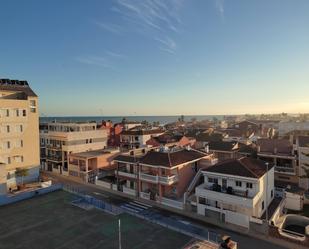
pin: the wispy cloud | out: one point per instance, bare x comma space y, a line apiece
107, 60
94, 60
114, 54
110, 27
167, 44
220, 8
159, 19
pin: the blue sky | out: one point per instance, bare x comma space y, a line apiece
159, 57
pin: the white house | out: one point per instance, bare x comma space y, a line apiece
303, 157
236, 191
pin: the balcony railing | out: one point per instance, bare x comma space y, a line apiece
149, 178
286, 170
168, 179
54, 158
238, 197
126, 173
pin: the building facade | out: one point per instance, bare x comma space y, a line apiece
19, 132
137, 137
59, 139
302, 144
157, 175
85, 166
236, 191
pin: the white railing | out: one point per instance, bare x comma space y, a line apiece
204, 191
128, 191
127, 174
103, 184
147, 177
145, 195
168, 179
172, 203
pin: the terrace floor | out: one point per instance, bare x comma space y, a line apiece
51, 221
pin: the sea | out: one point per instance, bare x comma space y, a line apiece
116, 119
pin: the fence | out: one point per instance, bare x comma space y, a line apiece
100, 204
4, 200
196, 232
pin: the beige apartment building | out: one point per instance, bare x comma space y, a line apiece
19, 133
59, 139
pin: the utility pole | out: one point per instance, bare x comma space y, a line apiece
119, 231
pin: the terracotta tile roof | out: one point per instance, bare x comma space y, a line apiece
208, 137
245, 167
170, 159
303, 141
223, 146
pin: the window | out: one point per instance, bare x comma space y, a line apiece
7, 112
21, 128
131, 185
17, 113
32, 106
21, 143
249, 185
272, 193
32, 103
8, 160
212, 180
24, 113
262, 205
202, 200
8, 144
7, 128
238, 183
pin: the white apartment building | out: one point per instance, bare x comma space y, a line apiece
137, 137
19, 133
236, 191
59, 139
302, 144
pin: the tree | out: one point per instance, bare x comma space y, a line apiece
22, 172
124, 120
181, 118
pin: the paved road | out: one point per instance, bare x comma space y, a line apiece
244, 242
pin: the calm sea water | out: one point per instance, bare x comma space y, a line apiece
116, 119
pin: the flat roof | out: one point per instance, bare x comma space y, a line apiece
93, 153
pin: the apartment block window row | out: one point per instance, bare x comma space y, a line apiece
10, 159
5, 113
9, 144
11, 128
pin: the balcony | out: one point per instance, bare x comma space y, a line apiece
54, 158
168, 179
53, 146
285, 170
149, 178
125, 173
237, 198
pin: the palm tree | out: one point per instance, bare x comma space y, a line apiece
22, 172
